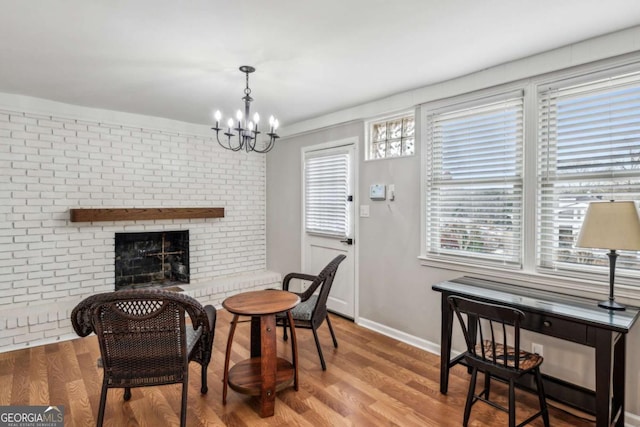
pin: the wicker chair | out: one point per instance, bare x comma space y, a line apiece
495, 354
312, 310
144, 339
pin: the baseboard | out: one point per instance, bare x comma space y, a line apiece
631, 420
420, 343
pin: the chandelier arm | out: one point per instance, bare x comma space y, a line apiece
228, 146
270, 145
251, 143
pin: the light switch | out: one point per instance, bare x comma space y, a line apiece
364, 211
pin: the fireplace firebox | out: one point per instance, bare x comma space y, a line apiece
151, 259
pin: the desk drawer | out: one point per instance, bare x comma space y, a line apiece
555, 327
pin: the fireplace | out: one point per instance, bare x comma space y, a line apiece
151, 259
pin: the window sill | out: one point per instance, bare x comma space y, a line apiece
597, 290
406, 156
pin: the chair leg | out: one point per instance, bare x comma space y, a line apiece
204, 388
315, 337
487, 385
512, 403
294, 351
333, 336
103, 401
127, 394
470, 394
541, 398
284, 324
183, 408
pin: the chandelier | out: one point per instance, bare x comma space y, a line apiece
246, 132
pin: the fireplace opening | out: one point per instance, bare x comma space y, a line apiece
152, 259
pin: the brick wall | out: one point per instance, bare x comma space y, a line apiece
50, 163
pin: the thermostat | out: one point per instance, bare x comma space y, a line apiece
378, 192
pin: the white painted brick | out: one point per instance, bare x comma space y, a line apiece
25, 339
12, 126
16, 331
38, 129
26, 298
47, 122
75, 126
54, 295
64, 132
110, 137
16, 134
91, 164
97, 128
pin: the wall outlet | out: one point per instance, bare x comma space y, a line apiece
537, 348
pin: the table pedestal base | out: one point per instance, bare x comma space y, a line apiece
264, 374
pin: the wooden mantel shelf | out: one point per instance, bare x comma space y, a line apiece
132, 214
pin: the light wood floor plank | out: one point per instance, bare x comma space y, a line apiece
371, 380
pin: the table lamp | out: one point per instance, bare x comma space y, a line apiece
611, 225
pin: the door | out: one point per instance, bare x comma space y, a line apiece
328, 218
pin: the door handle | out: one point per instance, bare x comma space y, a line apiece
348, 241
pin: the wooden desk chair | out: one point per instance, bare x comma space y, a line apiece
496, 354
312, 310
144, 340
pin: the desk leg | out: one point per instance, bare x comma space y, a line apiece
609, 370
445, 343
268, 365
619, 352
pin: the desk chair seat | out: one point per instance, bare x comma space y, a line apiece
527, 360
497, 353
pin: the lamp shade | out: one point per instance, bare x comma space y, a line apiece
611, 225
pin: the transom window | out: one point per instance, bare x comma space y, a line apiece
391, 137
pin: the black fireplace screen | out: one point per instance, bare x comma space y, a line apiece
155, 259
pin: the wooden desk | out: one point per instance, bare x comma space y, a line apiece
575, 319
264, 373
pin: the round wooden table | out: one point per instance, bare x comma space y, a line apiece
264, 373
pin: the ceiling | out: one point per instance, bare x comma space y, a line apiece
179, 59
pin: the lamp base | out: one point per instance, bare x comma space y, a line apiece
611, 305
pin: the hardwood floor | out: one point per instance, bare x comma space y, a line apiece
371, 380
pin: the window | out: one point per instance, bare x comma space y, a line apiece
582, 144
326, 177
588, 150
391, 137
474, 180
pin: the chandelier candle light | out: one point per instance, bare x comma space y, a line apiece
247, 133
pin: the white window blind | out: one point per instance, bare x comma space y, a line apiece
326, 192
588, 150
474, 181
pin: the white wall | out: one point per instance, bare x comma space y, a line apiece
57, 157
395, 293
